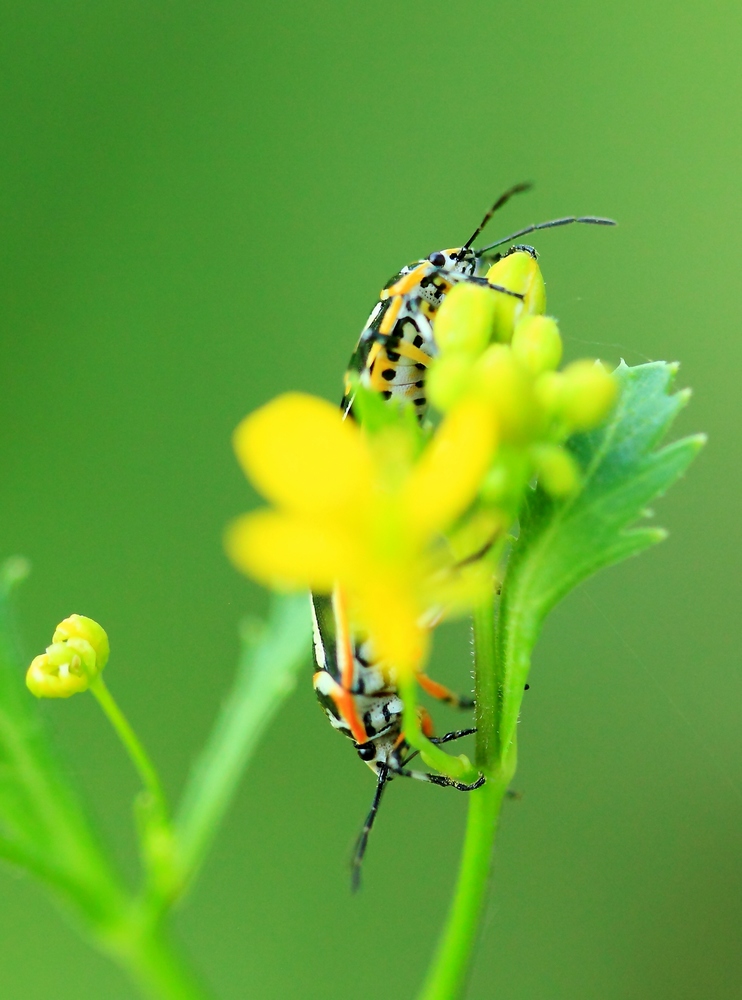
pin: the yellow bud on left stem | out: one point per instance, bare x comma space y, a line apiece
77, 655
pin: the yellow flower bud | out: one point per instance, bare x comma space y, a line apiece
79, 627
500, 378
549, 388
448, 379
537, 344
518, 272
588, 394
465, 320
77, 655
557, 470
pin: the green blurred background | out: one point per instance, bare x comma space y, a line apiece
199, 202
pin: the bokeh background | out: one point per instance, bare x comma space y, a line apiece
198, 204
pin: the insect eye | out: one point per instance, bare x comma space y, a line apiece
437, 259
367, 751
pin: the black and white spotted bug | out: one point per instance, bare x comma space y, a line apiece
397, 342
362, 702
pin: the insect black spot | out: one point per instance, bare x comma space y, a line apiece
392, 355
367, 751
420, 384
420, 365
388, 374
437, 259
385, 712
527, 687
386, 394
367, 724
417, 341
421, 401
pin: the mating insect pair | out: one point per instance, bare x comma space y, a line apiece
392, 356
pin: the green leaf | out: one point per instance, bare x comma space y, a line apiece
272, 656
562, 542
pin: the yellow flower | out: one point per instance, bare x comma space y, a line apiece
361, 512
76, 656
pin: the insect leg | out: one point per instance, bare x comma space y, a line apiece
440, 779
362, 842
450, 737
442, 693
474, 279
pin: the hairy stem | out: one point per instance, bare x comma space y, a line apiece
449, 969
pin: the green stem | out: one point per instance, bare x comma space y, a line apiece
458, 767
449, 969
154, 964
137, 754
487, 684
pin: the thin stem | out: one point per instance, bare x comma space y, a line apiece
137, 754
459, 767
450, 966
154, 965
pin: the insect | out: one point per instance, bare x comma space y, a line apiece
392, 355
397, 343
362, 702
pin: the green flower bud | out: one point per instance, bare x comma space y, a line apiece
557, 470
465, 319
503, 382
448, 379
548, 389
588, 394
77, 655
506, 479
537, 344
518, 272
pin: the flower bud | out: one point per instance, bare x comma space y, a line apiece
588, 394
79, 627
507, 478
537, 344
557, 470
518, 272
465, 319
504, 383
448, 379
549, 388
77, 655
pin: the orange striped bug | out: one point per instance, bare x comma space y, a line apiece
391, 357
362, 702
397, 343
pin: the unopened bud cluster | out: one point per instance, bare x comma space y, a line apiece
504, 350
77, 655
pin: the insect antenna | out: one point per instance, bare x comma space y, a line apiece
362, 842
591, 220
515, 189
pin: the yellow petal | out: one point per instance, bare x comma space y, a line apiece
302, 455
292, 553
386, 610
448, 475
